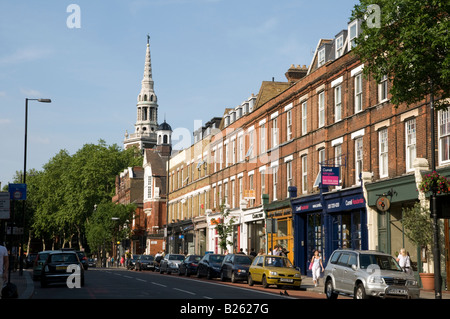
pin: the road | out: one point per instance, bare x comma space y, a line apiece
119, 283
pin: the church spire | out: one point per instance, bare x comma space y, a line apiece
147, 108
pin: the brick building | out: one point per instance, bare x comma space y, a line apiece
328, 115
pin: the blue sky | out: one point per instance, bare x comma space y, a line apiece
207, 55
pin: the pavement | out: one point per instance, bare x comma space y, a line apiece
25, 286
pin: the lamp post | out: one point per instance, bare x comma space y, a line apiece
25, 175
433, 208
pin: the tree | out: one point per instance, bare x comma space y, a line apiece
418, 225
410, 45
224, 227
108, 222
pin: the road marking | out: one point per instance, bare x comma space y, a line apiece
141, 279
127, 276
155, 283
206, 297
188, 292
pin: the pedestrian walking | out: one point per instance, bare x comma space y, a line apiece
4, 264
316, 262
404, 261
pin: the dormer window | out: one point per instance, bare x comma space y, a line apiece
353, 34
339, 46
321, 57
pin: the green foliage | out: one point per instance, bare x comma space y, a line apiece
411, 47
62, 196
109, 222
418, 225
224, 228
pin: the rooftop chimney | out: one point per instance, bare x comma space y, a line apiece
295, 73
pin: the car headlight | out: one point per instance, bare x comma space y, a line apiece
297, 275
216, 268
242, 270
376, 280
273, 273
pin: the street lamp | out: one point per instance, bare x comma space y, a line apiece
25, 174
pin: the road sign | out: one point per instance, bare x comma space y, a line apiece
18, 191
4, 205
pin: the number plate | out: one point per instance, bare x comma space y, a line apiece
61, 267
397, 291
286, 280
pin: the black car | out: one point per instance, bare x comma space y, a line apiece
210, 265
145, 262
235, 267
29, 261
91, 262
59, 266
83, 259
189, 265
132, 262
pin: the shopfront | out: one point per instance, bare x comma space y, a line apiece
254, 224
280, 230
328, 221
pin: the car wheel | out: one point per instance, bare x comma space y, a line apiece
186, 272
329, 290
233, 277
208, 275
222, 276
360, 292
264, 282
250, 280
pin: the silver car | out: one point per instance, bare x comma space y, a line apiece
170, 263
364, 274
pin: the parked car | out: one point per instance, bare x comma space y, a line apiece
91, 262
83, 259
209, 266
363, 274
132, 262
38, 262
170, 263
189, 265
145, 262
56, 269
29, 261
235, 267
274, 270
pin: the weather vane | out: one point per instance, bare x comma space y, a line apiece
148, 38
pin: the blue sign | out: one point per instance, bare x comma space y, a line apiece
330, 176
17, 191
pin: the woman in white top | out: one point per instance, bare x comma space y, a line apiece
404, 261
316, 262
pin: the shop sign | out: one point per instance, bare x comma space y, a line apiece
308, 207
330, 176
353, 202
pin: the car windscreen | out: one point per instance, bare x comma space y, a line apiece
382, 261
242, 260
147, 258
216, 258
277, 262
176, 257
66, 258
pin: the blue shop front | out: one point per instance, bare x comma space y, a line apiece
327, 221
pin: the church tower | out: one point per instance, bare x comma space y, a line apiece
144, 135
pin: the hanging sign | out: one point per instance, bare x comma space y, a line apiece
330, 176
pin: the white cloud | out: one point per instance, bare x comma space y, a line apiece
5, 121
25, 55
30, 92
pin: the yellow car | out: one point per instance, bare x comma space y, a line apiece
274, 270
